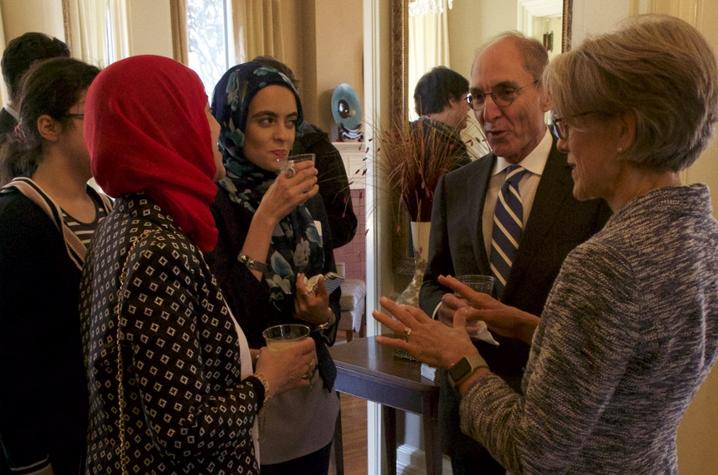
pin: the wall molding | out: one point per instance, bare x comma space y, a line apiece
411, 460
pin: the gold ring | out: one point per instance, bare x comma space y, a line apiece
290, 171
407, 333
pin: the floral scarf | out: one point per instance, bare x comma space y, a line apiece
296, 244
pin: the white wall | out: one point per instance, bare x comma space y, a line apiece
21, 16
150, 29
591, 17
472, 23
149, 22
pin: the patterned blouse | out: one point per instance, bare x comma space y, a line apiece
186, 408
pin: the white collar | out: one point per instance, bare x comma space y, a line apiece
534, 162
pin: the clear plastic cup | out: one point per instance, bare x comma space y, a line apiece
286, 165
279, 336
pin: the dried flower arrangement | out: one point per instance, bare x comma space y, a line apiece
414, 156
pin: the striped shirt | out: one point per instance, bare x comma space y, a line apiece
82, 230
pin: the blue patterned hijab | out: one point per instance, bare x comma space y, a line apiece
296, 244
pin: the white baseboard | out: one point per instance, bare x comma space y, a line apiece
411, 461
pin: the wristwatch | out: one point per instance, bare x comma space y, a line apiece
464, 367
252, 264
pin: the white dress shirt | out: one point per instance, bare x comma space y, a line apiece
534, 162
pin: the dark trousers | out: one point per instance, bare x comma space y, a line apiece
316, 463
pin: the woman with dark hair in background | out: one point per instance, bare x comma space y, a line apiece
172, 386
47, 216
273, 230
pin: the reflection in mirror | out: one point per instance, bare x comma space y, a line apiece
428, 33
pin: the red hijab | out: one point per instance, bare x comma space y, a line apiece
146, 129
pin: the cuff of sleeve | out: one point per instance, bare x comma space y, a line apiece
258, 386
34, 468
436, 310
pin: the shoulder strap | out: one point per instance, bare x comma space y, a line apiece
32, 191
103, 198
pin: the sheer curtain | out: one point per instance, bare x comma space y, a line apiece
428, 41
96, 30
257, 28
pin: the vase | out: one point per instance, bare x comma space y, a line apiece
420, 242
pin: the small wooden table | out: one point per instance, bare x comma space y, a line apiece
370, 371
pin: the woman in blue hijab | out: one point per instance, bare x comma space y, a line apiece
273, 233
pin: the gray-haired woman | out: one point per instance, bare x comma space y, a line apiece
630, 329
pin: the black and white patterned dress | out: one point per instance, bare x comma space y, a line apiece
187, 408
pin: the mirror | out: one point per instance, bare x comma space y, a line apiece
525, 15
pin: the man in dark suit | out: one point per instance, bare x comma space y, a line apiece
508, 100
17, 58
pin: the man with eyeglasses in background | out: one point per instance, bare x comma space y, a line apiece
510, 215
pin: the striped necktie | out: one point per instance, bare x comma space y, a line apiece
508, 225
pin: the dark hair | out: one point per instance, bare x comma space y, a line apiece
272, 62
51, 88
23, 51
435, 88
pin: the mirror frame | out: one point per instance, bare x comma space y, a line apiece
399, 60
399, 44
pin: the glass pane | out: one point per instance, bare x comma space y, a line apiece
207, 36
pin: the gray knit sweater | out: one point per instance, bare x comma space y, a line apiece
628, 334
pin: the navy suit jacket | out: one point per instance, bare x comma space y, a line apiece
556, 225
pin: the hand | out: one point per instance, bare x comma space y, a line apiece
450, 303
427, 340
312, 307
286, 193
501, 319
290, 367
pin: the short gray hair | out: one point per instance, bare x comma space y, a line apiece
657, 67
535, 57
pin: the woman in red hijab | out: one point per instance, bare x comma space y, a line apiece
172, 389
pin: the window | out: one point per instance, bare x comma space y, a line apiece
208, 35
96, 30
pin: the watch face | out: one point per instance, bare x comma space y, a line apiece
459, 370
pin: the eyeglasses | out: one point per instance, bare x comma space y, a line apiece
72, 115
503, 96
559, 127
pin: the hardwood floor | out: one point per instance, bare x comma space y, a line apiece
353, 432
353, 436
